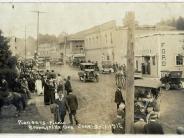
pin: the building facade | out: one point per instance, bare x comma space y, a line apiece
158, 52
109, 42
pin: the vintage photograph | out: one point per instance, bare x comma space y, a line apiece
92, 68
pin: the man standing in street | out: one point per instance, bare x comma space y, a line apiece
73, 106
118, 97
63, 108
68, 86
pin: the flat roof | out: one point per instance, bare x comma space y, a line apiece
147, 84
161, 33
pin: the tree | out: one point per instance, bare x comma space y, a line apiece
7, 61
180, 23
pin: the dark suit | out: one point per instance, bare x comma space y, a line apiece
47, 92
118, 98
68, 86
73, 105
63, 107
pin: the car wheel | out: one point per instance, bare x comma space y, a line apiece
167, 86
180, 85
80, 78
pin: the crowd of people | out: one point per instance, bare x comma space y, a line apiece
148, 125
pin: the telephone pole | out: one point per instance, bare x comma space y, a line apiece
25, 44
129, 98
38, 23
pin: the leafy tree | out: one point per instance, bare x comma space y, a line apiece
5, 53
7, 61
180, 23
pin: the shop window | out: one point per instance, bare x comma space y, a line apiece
153, 60
179, 60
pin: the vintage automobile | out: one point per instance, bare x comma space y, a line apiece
147, 99
88, 72
171, 79
107, 67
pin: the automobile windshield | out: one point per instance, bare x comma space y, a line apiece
89, 67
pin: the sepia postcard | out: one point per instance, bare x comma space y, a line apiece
91, 68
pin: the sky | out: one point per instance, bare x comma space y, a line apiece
75, 17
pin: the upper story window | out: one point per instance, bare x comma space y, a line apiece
111, 38
106, 38
179, 60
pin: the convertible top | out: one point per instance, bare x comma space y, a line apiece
147, 83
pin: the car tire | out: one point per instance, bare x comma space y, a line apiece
167, 86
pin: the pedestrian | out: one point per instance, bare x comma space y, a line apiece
118, 124
38, 86
68, 86
53, 74
63, 108
139, 126
52, 91
118, 97
31, 84
47, 93
24, 85
73, 106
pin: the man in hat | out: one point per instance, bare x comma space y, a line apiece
118, 124
63, 108
52, 91
73, 106
118, 97
68, 86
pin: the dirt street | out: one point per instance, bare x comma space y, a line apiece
96, 107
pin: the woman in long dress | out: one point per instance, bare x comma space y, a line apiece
38, 86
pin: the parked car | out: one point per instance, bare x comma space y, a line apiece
107, 67
171, 79
88, 72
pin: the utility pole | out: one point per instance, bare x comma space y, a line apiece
25, 44
65, 43
38, 23
129, 98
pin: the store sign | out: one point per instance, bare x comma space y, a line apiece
163, 54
